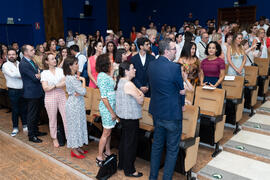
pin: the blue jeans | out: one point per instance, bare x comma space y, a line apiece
168, 131
18, 106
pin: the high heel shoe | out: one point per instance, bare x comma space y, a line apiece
77, 156
99, 163
105, 155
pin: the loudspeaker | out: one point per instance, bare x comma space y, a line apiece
242, 2
133, 6
87, 10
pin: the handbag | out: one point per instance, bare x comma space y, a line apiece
60, 131
108, 168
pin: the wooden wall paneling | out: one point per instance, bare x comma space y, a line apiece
53, 18
241, 15
113, 15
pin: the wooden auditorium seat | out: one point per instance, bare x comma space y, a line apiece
190, 96
189, 144
4, 100
88, 100
189, 140
251, 88
211, 103
93, 98
234, 100
263, 80
146, 122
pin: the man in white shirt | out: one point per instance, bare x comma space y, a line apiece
179, 45
15, 91
74, 41
201, 46
140, 62
225, 30
82, 61
262, 24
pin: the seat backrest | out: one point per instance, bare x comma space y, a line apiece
88, 98
3, 84
190, 117
234, 89
251, 74
95, 101
146, 116
263, 64
226, 68
211, 102
190, 96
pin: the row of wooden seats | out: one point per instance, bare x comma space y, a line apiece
190, 142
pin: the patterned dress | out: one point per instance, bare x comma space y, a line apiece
106, 86
75, 114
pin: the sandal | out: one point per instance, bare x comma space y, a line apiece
99, 163
105, 155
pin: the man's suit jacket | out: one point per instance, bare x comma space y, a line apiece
31, 85
140, 78
166, 81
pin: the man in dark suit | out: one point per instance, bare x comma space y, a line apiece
166, 108
141, 62
32, 91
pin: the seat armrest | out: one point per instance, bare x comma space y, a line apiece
184, 144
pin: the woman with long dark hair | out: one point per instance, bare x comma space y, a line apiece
190, 62
77, 134
213, 67
111, 50
129, 100
64, 52
91, 69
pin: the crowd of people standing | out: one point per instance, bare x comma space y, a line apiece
160, 65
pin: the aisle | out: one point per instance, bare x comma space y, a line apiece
21, 161
246, 155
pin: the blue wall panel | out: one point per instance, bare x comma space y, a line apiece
24, 12
174, 12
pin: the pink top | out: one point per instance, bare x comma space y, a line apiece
92, 61
211, 68
268, 42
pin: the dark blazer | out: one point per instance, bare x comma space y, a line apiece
166, 81
140, 78
31, 85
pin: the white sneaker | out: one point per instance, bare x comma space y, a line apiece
25, 129
14, 132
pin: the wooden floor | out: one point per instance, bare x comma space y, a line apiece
21, 159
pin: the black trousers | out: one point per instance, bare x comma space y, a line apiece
128, 145
18, 106
33, 111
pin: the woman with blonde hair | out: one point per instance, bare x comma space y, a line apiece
236, 56
218, 38
82, 43
261, 42
40, 52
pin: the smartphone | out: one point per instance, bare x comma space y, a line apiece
109, 32
258, 45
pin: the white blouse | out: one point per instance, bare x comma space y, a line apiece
51, 78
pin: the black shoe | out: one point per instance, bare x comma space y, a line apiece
41, 134
137, 175
35, 139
